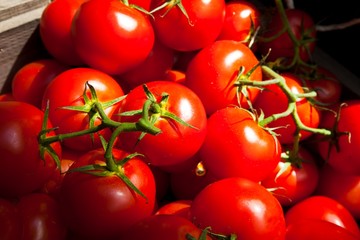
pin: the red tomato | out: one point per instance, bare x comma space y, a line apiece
55, 30
212, 74
343, 187
22, 168
199, 27
322, 208
101, 207
163, 227
242, 18
239, 206
67, 89
273, 100
7, 97
30, 81
314, 229
122, 39
154, 67
294, 179
228, 149
301, 26
172, 149
343, 155
145, 4
33, 216
176, 207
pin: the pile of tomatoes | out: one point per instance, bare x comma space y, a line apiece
186, 119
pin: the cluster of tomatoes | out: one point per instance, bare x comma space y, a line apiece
186, 119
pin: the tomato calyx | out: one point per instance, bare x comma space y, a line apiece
170, 4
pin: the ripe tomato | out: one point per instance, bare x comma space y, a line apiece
55, 30
30, 81
242, 18
212, 74
176, 207
123, 36
294, 179
228, 149
163, 227
172, 149
314, 229
100, 207
22, 168
239, 206
343, 187
33, 216
343, 155
7, 97
273, 100
199, 27
322, 208
301, 26
67, 89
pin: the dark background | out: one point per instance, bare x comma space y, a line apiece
343, 45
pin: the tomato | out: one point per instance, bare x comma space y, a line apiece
341, 152
163, 227
122, 39
212, 74
30, 81
301, 26
188, 183
67, 89
273, 100
100, 207
344, 188
314, 229
322, 208
239, 206
7, 97
22, 168
145, 4
55, 30
176, 207
154, 67
242, 18
227, 151
199, 27
172, 149
294, 179
33, 216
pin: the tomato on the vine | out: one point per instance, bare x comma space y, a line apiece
172, 149
23, 170
103, 206
122, 39
66, 90
213, 74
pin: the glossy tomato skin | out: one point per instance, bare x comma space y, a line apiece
33, 216
123, 36
212, 74
346, 158
324, 208
97, 207
179, 207
296, 181
22, 168
343, 187
273, 100
228, 149
303, 28
239, 206
201, 28
163, 227
172, 149
55, 30
67, 89
241, 19
30, 81
314, 229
